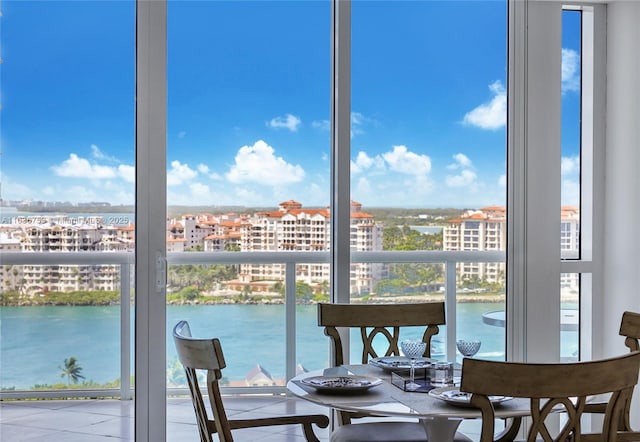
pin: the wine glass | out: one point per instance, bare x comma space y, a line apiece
468, 347
413, 348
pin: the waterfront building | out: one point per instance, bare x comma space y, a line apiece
485, 229
482, 229
294, 228
10, 275
63, 234
289, 228
570, 244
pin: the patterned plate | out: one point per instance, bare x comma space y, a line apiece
341, 383
453, 396
389, 363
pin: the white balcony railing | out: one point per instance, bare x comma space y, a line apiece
290, 259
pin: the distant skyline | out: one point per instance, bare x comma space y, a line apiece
248, 109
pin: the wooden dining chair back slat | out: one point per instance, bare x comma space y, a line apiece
630, 330
206, 355
375, 320
552, 388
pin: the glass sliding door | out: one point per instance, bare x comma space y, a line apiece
428, 159
248, 179
571, 189
67, 199
582, 175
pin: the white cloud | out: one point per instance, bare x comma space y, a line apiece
357, 121
322, 124
127, 173
570, 170
80, 194
16, 190
98, 154
363, 187
199, 190
570, 165
491, 115
289, 121
570, 70
403, 161
460, 161
570, 192
502, 181
203, 168
364, 162
465, 178
76, 167
467, 175
259, 164
179, 173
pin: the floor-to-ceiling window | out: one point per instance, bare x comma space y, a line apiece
570, 169
248, 176
67, 228
249, 168
428, 160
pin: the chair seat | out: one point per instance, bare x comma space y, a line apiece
385, 432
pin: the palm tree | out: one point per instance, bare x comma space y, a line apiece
71, 370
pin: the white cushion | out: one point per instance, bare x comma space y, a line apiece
385, 432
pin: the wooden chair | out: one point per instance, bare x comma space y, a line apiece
206, 354
550, 387
630, 329
375, 320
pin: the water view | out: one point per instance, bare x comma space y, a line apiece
37, 340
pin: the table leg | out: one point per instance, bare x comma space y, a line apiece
441, 429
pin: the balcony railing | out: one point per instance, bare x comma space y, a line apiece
290, 259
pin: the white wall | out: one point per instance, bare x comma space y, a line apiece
622, 192
622, 182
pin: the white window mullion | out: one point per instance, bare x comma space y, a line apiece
150, 288
533, 305
340, 151
515, 179
592, 209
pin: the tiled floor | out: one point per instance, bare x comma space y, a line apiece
112, 420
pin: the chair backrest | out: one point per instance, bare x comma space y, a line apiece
203, 354
630, 329
379, 319
552, 387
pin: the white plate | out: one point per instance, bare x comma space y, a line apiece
341, 383
389, 363
454, 396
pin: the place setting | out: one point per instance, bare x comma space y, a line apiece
341, 381
451, 394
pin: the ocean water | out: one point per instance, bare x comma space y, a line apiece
34, 341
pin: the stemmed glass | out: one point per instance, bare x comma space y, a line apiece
413, 349
468, 347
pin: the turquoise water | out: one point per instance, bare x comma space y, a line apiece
34, 341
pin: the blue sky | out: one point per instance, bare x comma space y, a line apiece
249, 103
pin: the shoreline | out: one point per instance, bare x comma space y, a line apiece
461, 298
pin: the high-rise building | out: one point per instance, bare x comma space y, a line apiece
294, 228
485, 229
